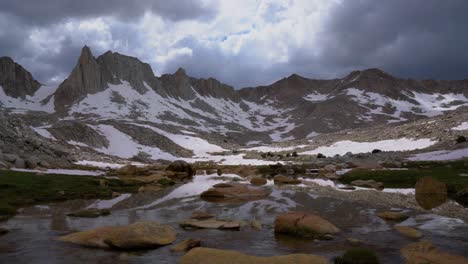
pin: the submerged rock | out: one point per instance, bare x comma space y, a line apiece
232, 192
393, 216
186, 245
408, 231
210, 224
4, 231
201, 215
281, 179
209, 255
303, 224
90, 213
424, 252
139, 235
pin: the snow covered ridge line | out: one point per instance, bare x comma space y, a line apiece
426, 104
343, 147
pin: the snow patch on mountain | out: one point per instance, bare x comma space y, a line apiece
317, 97
42, 131
342, 147
33, 103
441, 155
122, 145
200, 147
273, 149
462, 126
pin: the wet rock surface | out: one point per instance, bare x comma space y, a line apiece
210, 255
425, 252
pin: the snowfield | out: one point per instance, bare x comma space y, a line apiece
441, 155
317, 97
33, 103
273, 149
342, 147
426, 104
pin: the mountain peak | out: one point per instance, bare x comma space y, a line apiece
180, 72
86, 55
16, 80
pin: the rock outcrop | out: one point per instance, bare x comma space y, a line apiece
423, 252
16, 81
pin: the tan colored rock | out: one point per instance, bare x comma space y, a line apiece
393, 216
256, 224
202, 255
210, 224
408, 231
128, 170
281, 179
232, 192
258, 181
89, 238
135, 236
429, 185
303, 225
330, 168
186, 245
423, 252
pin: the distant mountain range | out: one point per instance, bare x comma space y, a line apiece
116, 95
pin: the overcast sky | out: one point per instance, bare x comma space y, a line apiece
242, 42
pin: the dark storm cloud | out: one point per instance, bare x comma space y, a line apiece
50, 11
419, 39
19, 18
407, 38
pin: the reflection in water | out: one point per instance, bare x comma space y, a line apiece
429, 201
58, 222
34, 240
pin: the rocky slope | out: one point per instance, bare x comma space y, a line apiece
115, 105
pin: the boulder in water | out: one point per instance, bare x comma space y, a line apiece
303, 224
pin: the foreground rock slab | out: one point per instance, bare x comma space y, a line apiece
423, 252
211, 256
140, 235
303, 224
